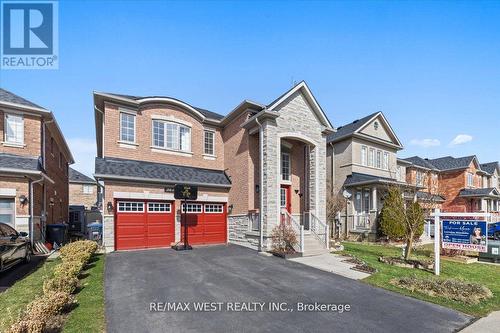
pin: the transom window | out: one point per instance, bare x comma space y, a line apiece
214, 208
127, 127
285, 166
14, 129
192, 208
159, 207
130, 206
170, 135
88, 189
209, 142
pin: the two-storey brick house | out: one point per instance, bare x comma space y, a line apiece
463, 183
255, 166
362, 162
82, 190
34, 159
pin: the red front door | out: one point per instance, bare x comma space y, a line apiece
285, 198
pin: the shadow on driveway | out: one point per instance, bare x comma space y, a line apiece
18, 272
228, 274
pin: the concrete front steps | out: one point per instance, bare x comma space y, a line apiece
313, 247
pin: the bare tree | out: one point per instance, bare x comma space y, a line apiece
335, 203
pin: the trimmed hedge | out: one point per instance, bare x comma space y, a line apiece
42, 312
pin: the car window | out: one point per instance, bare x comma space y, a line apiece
7, 231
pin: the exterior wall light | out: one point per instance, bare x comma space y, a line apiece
109, 206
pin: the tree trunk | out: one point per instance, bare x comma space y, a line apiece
409, 246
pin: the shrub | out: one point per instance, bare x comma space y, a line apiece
283, 238
79, 250
69, 269
64, 283
27, 326
457, 290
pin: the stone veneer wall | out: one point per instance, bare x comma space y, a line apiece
240, 233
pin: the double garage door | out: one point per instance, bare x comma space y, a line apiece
151, 224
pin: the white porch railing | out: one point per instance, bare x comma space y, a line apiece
299, 229
362, 221
320, 230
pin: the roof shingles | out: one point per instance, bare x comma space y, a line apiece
8, 97
11, 161
78, 177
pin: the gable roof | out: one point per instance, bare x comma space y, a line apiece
490, 167
452, 163
9, 97
357, 125
75, 176
118, 168
304, 88
420, 162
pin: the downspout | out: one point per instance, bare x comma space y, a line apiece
261, 173
31, 183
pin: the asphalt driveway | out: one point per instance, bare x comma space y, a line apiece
232, 275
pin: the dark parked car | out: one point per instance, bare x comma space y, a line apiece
14, 247
494, 230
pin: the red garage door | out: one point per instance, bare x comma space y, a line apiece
144, 224
206, 223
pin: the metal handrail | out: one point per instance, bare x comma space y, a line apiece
320, 230
299, 229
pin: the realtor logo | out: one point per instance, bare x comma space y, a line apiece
29, 35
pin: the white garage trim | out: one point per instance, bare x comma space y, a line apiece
143, 196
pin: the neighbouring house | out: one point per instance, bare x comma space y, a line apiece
362, 163
34, 159
82, 190
462, 184
256, 166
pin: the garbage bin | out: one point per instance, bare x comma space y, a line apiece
94, 232
57, 233
493, 253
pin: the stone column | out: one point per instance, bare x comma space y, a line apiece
270, 186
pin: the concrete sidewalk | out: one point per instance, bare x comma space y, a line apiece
333, 263
489, 324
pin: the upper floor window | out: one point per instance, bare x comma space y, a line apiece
379, 159
14, 129
285, 166
88, 189
209, 144
371, 158
420, 178
127, 127
364, 155
385, 164
171, 135
470, 179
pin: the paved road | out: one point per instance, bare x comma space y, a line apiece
236, 274
16, 273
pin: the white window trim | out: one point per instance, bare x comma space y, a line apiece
385, 163
289, 167
221, 206
205, 130
371, 162
193, 204
10, 143
168, 205
364, 155
165, 148
84, 186
129, 211
120, 140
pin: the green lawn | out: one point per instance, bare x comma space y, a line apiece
88, 316
489, 275
15, 299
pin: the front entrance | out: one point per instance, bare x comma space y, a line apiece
286, 198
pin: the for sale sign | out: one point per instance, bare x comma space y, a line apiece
467, 235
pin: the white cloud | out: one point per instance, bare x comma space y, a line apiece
425, 143
460, 139
84, 152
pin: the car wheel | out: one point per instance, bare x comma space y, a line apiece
27, 257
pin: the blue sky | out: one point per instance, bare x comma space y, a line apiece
432, 67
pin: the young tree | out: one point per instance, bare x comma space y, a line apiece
401, 220
335, 203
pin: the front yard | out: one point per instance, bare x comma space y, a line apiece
86, 316
488, 275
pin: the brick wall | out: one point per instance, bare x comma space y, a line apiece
77, 197
21, 187
143, 150
32, 137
